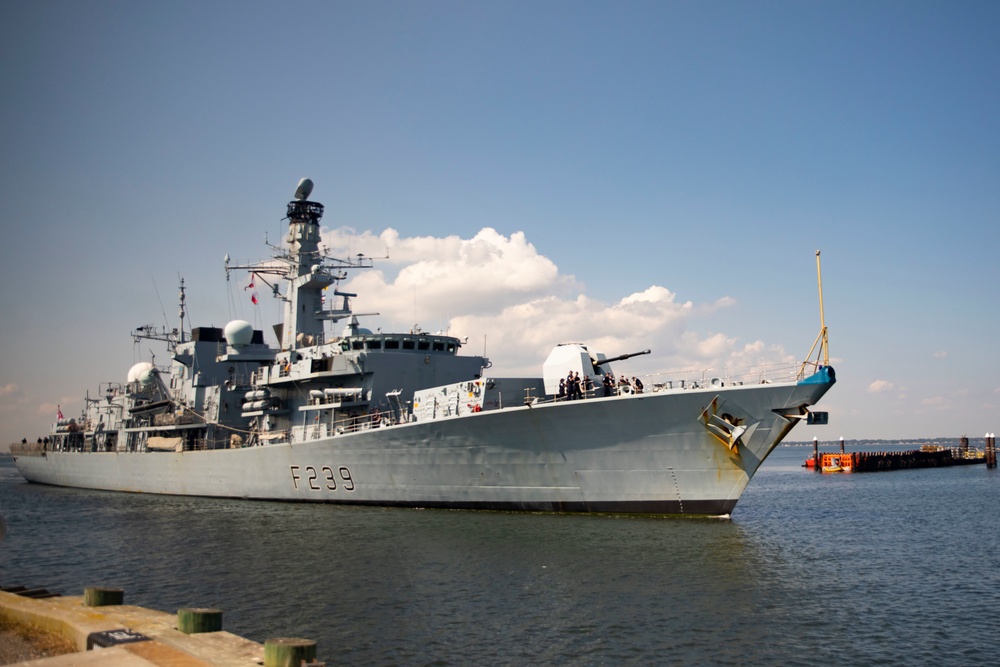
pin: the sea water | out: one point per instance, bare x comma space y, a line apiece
890, 568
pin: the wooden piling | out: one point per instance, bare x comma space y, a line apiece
817, 467
841, 444
288, 652
195, 621
102, 597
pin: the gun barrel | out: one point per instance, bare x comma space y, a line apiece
620, 357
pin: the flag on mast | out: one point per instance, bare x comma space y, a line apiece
59, 414
252, 286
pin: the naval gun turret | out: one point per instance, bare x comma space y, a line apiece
620, 357
576, 358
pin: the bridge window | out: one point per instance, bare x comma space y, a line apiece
407, 344
438, 346
424, 345
391, 344
321, 365
373, 344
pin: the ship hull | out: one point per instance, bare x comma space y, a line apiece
648, 454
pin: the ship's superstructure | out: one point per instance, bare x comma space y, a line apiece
402, 419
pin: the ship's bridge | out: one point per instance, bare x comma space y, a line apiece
401, 343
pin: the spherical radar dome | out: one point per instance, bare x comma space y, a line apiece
239, 333
355, 331
141, 372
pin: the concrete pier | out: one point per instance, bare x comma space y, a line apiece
159, 641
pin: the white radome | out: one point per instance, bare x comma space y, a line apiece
238, 333
141, 372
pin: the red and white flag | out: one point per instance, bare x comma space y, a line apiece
251, 286
59, 414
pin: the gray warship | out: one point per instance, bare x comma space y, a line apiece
402, 419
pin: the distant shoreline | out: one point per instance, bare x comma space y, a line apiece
889, 442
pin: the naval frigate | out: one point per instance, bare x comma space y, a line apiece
403, 419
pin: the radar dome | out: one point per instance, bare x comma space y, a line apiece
142, 373
354, 330
238, 333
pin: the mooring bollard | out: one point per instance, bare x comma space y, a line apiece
288, 652
102, 597
195, 621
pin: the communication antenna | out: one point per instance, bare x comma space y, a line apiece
825, 345
163, 310
823, 356
183, 307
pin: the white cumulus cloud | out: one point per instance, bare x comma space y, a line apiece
12, 398
879, 386
506, 297
436, 277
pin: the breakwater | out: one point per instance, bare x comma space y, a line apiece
892, 460
877, 461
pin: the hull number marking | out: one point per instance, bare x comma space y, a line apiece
322, 478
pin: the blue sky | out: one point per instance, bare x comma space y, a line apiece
705, 149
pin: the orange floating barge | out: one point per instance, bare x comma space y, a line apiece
929, 457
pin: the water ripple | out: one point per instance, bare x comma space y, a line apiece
880, 569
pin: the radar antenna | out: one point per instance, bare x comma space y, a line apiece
304, 189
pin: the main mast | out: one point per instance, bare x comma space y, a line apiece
306, 278
308, 272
